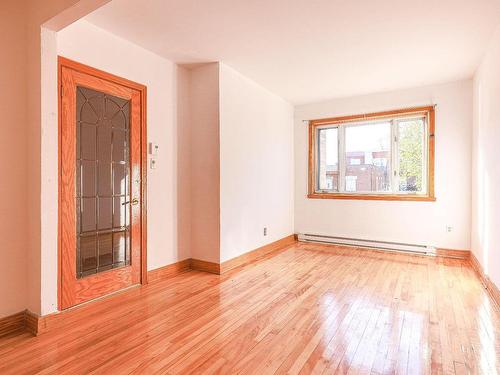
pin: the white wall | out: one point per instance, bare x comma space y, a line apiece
13, 159
256, 165
182, 214
409, 222
486, 157
168, 238
204, 124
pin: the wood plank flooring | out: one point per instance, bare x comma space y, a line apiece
306, 309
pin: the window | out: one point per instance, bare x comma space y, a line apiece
386, 155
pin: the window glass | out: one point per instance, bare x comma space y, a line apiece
411, 155
328, 159
368, 155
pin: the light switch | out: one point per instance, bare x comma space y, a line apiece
153, 148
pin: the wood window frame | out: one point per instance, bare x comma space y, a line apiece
428, 111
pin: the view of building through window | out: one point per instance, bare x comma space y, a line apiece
367, 155
328, 159
373, 156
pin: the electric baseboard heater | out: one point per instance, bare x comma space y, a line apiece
357, 242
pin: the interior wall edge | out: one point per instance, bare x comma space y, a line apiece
485, 177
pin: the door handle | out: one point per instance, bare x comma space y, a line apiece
134, 202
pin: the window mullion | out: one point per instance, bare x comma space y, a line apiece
341, 149
394, 157
425, 158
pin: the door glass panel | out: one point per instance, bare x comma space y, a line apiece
105, 186
105, 251
88, 178
102, 179
88, 215
105, 213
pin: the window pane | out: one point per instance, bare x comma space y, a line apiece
367, 157
411, 155
328, 159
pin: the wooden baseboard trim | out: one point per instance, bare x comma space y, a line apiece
256, 254
22, 321
489, 285
12, 323
169, 271
36, 324
32, 322
251, 256
452, 253
204, 266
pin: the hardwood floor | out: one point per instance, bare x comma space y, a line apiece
305, 309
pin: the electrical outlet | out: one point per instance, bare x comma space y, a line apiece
265, 231
449, 228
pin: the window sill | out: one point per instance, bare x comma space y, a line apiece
375, 197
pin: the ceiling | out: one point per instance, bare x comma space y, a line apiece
312, 50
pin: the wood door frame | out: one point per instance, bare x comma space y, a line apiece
64, 62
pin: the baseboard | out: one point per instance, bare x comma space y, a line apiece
219, 268
203, 265
22, 321
32, 322
36, 324
256, 254
12, 323
489, 285
452, 253
169, 271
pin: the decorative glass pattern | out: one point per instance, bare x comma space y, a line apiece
102, 182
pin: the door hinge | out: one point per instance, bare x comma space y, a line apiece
62, 90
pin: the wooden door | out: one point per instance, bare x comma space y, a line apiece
101, 183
